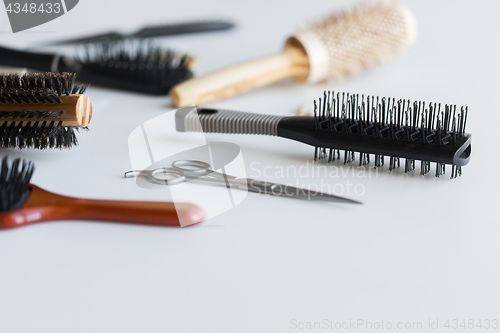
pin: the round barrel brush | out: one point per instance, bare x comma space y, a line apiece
127, 65
42, 110
22, 203
341, 44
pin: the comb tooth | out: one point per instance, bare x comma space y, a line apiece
439, 169
399, 114
315, 115
357, 104
330, 117
375, 120
383, 115
348, 110
439, 116
328, 100
454, 113
324, 105
465, 118
394, 163
391, 124
368, 109
360, 121
348, 156
407, 125
319, 110
454, 128
429, 118
364, 159
424, 167
338, 105
347, 99
333, 102
364, 110
413, 115
461, 122
334, 112
438, 129
422, 128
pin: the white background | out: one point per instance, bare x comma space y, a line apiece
419, 249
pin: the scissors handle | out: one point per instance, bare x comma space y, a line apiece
171, 176
192, 168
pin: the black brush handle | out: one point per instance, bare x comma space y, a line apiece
14, 58
152, 31
182, 28
108, 36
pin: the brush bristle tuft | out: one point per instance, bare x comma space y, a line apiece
389, 122
133, 65
348, 41
14, 183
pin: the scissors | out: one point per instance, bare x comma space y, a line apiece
200, 172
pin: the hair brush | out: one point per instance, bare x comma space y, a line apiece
42, 110
339, 45
127, 65
343, 122
22, 203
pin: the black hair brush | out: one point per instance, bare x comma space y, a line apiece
42, 110
370, 126
127, 65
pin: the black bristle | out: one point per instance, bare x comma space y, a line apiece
416, 123
37, 135
38, 130
133, 65
14, 183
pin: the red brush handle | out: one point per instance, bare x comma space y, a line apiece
45, 206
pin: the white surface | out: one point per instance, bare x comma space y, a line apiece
419, 249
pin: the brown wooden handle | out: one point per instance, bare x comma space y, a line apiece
46, 206
291, 63
75, 110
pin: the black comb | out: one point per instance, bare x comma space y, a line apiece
345, 124
127, 65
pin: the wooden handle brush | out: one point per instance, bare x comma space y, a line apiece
22, 203
340, 45
73, 110
42, 110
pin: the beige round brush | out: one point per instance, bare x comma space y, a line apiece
339, 45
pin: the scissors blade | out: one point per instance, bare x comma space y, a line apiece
295, 192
